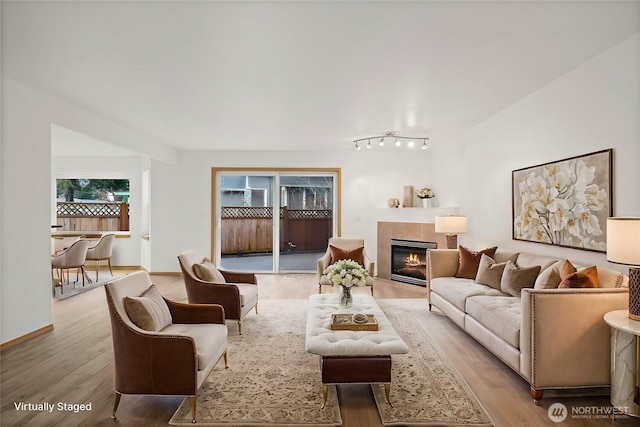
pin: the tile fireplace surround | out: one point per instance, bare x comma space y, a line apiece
405, 231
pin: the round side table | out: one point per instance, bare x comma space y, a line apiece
625, 345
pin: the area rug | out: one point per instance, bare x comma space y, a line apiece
427, 390
271, 380
73, 289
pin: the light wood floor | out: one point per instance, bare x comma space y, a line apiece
74, 364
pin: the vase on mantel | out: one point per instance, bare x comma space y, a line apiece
426, 203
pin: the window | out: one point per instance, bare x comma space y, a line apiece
92, 204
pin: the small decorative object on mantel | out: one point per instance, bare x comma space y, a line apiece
393, 203
346, 274
623, 247
426, 194
407, 201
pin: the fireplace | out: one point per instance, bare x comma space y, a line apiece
409, 261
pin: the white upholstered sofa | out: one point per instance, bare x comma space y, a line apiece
554, 338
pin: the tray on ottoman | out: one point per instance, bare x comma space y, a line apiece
345, 322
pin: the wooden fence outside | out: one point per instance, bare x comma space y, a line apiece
93, 216
247, 229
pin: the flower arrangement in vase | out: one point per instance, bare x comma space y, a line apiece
426, 194
346, 274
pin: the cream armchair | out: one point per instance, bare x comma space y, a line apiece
72, 257
342, 245
173, 356
101, 251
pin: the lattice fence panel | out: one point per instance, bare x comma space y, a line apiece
65, 209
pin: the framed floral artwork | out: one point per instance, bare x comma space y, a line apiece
566, 202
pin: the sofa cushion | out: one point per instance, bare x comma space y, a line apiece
549, 278
456, 290
210, 339
338, 254
529, 260
149, 311
501, 315
469, 260
609, 278
489, 272
573, 278
515, 278
208, 272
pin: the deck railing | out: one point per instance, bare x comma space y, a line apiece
93, 216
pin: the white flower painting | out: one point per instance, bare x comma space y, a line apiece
564, 203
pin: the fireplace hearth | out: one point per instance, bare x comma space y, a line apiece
409, 261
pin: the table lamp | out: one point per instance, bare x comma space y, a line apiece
623, 247
451, 225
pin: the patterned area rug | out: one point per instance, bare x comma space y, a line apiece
427, 390
271, 380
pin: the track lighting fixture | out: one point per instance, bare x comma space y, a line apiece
410, 141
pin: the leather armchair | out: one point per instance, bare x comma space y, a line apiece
173, 361
238, 294
344, 243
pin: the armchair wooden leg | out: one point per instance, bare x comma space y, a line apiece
537, 395
226, 365
97, 269
319, 289
256, 307
193, 408
371, 290
109, 261
115, 405
239, 327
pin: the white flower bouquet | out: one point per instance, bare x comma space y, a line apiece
347, 273
425, 193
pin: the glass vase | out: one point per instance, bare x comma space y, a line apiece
346, 299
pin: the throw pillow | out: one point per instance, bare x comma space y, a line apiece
572, 278
148, 311
208, 272
490, 272
338, 254
469, 261
549, 278
515, 279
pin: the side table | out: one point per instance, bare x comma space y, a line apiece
625, 349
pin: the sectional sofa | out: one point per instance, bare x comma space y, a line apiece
554, 338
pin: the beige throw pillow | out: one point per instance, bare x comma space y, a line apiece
514, 278
148, 311
490, 272
549, 278
208, 272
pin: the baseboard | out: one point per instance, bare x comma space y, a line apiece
14, 342
166, 273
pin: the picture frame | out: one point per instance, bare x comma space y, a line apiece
565, 202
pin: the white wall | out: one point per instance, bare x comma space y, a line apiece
25, 208
595, 106
181, 193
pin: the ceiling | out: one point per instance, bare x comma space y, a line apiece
302, 75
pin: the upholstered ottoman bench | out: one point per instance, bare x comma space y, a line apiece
351, 356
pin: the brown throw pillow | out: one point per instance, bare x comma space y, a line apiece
208, 272
338, 254
515, 279
149, 311
490, 272
469, 261
572, 278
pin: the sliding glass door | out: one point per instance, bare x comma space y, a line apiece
273, 221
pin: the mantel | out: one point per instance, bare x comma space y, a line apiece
411, 215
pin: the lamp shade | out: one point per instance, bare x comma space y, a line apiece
623, 240
451, 224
